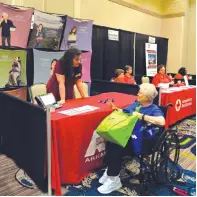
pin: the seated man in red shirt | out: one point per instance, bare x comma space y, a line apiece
119, 76
128, 78
161, 77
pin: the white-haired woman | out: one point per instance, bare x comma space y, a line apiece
149, 113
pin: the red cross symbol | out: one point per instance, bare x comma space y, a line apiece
178, 105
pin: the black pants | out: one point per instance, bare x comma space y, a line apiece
3, 41
114, 155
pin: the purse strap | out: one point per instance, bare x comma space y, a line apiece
137, 109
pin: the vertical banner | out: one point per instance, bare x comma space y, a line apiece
78, 34
151, 59
15, 26
86, 61
12, 68
43, 63
47, 30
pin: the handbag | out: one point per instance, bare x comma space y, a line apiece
118, 127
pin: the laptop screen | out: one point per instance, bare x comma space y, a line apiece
48, 99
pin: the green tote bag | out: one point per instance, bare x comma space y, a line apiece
118, 127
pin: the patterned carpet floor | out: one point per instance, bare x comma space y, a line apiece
186, 185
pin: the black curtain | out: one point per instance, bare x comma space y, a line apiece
140, 59
126, 48
98, 38
108, 55
30, 67
111, 58
162, 50
23, 127
140, 56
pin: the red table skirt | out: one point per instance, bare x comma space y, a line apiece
184, 104
76, 148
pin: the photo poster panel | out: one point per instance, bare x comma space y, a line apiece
13, 68
47, 30
77, 34
151, 59
86, 62
43, 60
17, 27
42, 64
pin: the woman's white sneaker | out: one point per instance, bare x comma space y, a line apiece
110, 185
103, 178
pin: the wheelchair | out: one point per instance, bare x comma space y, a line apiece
158, 159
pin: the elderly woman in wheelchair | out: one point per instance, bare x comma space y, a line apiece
151, 117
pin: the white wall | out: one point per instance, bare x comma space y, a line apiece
191, 47
110, 14
172, 28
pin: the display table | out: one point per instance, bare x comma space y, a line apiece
183, 100
20, 93
76, 148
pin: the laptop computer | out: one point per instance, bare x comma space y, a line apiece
47, 100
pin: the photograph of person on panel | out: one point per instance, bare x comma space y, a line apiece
53, 63
67, 73
40, 34
6, 26
128, 78
14, 73
161, 77
149, 112
72, 37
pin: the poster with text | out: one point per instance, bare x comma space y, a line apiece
78, 34
15, 26
12, 68
86, 61
151, 59
43, 64
47, 30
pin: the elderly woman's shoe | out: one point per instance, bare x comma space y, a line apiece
104, 177
110, 185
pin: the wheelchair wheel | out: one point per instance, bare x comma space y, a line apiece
165, 158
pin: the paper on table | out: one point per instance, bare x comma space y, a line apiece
79, 110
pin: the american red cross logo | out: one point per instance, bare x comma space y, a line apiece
178, 105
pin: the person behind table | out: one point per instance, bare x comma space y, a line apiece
181, 73
67, 73
128, 78
114, 153
53, 62
119, 76
15, 72
6, 24
161, 77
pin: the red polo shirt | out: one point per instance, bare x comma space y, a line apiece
129, 79
158, 78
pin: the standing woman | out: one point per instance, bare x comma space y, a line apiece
161, 76
67, 73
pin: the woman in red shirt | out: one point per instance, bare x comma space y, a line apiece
161, 77
67, 73
181, 73
128, 78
